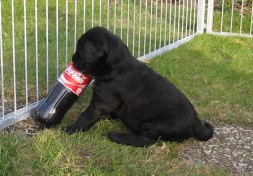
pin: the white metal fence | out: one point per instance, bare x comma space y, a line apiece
230, 17
37, 39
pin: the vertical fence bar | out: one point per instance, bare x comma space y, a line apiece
128, 19
222, 15
121, 19
178, 19
75, 24
134, 28
165, 23
14, 56
66, 35
186, 20
150, 29
1, 61
170, 22
47, 53
194, 18
201, 17
36, 51
57, 38
182, 30
145, 30
114, 20
115, 15
156, 8
25, 56
174, 22
241, 21
190, 30
108, 13
139, 41
209, 24
232, 16
161, 19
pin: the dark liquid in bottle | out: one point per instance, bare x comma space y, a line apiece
62, 96
52, 109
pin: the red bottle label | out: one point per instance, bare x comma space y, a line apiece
74, 80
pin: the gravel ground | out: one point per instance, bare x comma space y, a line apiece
231, 147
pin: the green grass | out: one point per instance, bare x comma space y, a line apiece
214, 72
54, 153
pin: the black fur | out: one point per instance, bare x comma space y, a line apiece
150, 106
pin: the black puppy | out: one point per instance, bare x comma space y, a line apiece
150, 107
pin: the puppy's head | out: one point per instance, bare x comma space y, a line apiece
92, 51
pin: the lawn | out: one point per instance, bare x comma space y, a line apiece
214, 72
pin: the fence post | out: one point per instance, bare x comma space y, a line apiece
201, 16
209, 24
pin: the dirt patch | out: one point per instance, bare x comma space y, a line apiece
26, 127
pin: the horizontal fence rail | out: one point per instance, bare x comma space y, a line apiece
230, 17
38, 38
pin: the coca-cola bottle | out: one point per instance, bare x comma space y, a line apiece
62, 96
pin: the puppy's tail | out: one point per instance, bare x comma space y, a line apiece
204, 132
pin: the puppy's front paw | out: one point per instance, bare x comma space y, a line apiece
71, 129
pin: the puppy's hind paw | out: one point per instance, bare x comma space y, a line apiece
131, 139
121, 138
114, 136
70, 129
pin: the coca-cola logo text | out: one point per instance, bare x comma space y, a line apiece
77, 76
